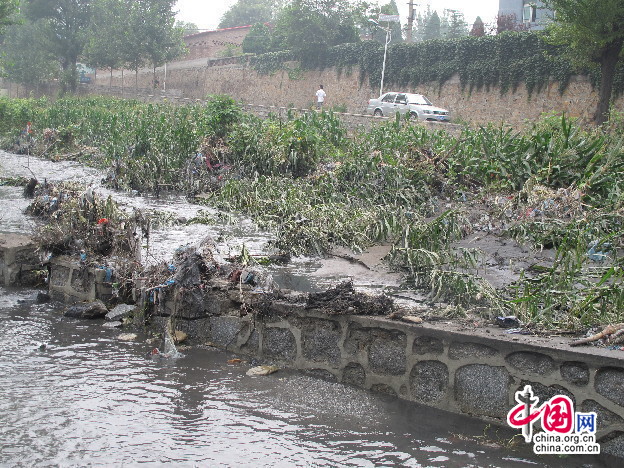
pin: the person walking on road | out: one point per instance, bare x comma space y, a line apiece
320, 97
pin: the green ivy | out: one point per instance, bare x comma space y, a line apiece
504, 61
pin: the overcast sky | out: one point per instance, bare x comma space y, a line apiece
206, 14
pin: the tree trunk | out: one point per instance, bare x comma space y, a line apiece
110, 83
608, 62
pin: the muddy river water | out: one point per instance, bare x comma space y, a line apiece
73, 394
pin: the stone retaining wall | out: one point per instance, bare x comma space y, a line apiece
71, 281
19, 261
294, 87
467, 371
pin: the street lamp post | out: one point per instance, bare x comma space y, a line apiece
383, 66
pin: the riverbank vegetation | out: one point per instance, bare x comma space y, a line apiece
549, 200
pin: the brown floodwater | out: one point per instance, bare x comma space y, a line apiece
87, 398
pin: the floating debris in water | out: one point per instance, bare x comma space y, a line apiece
262, 370
127, 337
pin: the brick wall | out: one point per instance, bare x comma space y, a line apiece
212, 44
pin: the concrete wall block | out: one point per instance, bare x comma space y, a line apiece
193, 328
528, 362
319, 341
354, 374
224, 331
190, 303
575, 372
252, 344
386, 354
427, 345
27, 255
59, 276
279, 343
83, 281
429, 382
609, 382
544, 392
483, 390
604, 417
613, 444
468, 350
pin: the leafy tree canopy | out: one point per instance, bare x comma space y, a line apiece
309, 27
65, 22
258, 41
478, 28
594, 29
7, 9
32, 68
245, 12
187, 28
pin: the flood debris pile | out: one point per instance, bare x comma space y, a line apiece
198, 284
77, 223
343, 299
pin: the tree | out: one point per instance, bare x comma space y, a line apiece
65, 22
246, 12
163, 41
151, 36
104, 48
7, 9
594, 30
478, 28
27, 61
454, 25
432, 27
309, 27
509, 23
187, 28
258, 41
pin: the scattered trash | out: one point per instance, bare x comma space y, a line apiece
127, 337
597, 255
612, 334
234, 361
412, 318
119, 312
179, 336
262, 370
115, 324
518, 331
511, 321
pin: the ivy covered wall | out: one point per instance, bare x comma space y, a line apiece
504, 61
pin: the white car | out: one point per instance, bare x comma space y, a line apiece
416, 105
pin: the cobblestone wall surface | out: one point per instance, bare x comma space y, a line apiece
293, 87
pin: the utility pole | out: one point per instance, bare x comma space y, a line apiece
410, 21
